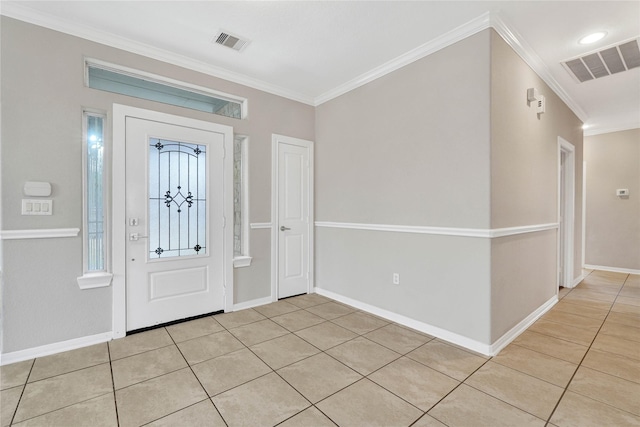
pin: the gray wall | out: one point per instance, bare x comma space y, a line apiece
448, 141
42, 100
524, 187
410, 148
613, 223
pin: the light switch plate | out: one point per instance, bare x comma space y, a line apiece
37, 207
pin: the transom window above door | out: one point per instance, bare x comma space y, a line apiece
139, 84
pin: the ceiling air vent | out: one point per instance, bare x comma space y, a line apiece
611, 60
227, 39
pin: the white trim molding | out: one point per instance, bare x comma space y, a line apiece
612, 269
591, 131
50, 233
522, 326
460, 33
452, 337
426, 328
242, 261
566, 207
94, 280
58, 347
442, 231
252, 303
512, 231
579, 279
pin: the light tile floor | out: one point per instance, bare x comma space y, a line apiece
310, 361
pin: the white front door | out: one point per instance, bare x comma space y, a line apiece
294, 216
175, 209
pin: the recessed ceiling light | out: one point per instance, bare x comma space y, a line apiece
592, 38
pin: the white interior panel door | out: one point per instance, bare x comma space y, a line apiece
293, 220
175, 221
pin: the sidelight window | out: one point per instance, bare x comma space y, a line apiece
241, 202
95, 212
94, 233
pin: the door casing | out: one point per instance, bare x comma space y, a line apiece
119, 230
566, 229
276, 142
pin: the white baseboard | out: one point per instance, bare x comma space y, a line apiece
612, 269
58, 347
252, 303
473, 345
577, 280
449, 336
513, 333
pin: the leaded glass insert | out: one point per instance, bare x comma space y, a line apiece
177, 199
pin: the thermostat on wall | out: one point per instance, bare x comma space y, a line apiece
622, 192
38, 189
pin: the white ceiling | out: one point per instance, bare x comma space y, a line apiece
312, 51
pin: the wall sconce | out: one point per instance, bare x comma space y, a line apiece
534, 96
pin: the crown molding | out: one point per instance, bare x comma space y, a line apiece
524, 50
487, 20
601, 130
26, 14
460, 33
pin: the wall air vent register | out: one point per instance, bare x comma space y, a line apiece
604, 62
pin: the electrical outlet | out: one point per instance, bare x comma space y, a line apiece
396, 278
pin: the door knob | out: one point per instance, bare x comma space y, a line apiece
283, 228
134, 237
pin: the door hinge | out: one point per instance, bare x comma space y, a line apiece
224, 221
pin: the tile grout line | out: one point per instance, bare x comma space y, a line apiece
566, 388
541, 353
58, 409
247, 348
197, 379
458, 386
113, 384
386, 364
274, 371
329, 355
24, 387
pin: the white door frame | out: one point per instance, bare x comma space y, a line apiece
568, 225
276, 140
119, 242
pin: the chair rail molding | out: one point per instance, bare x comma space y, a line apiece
48, 233
487, 233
